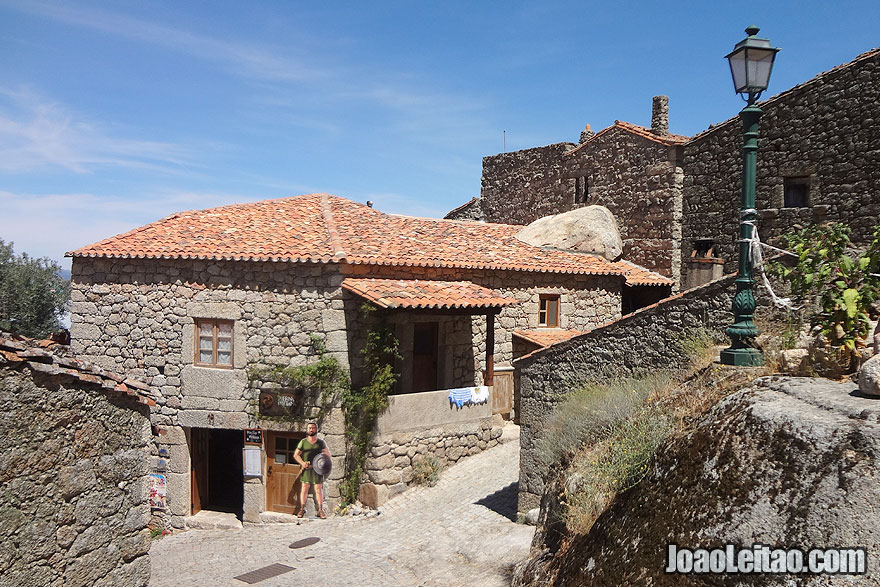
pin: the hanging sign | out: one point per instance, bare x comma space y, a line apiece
281, 402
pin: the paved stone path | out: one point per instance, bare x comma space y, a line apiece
459, 532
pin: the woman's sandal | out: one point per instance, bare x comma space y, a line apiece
322, 515
301, 513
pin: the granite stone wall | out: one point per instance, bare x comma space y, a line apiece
638, 179
825, 130
472, 210
137, 316
74, 462
389, 467
642, 341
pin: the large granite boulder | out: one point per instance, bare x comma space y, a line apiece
787, 462
591, 229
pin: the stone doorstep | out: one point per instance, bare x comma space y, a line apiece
280, 518
208, 520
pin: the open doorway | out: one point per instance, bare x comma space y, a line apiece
217, 476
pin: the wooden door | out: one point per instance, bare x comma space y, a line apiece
502, 391
282, 473
198, 458
425, 356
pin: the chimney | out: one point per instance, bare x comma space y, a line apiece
586, 134
660, 116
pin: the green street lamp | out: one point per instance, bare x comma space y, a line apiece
751, 62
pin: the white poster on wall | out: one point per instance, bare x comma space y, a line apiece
253, 462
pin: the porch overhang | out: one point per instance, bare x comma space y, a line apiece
421, 294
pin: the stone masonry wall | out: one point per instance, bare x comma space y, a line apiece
522, 186
73, 506
639, 180
638, 342
826, 129
137, 317
472, 210
390, 465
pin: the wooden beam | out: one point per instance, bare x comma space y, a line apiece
489, 375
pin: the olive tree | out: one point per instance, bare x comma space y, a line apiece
33, 296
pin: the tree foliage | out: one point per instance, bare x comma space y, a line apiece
33, 296
837, 283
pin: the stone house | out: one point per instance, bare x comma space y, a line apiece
676, 198
75, 458
197, 300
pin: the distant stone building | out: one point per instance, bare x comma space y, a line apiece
197, 300
676, 199
471, 210
74, 471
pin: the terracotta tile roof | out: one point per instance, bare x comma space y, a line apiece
638, 275
641, 131
322, 228
546, 336
19, 352
419, 293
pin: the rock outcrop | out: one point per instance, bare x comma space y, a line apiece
787, 462
591, 229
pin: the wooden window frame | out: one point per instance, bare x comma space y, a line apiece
215, 323
544, 316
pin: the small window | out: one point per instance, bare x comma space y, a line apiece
581, 190
548, 314
796, 192
214, 348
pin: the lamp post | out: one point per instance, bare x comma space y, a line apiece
751, 62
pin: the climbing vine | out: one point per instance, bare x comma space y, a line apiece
362, 406
320, 383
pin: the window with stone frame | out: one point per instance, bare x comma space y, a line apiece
548, 311
581, 190
796, 192
214, 343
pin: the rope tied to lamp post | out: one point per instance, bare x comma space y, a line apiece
755, 245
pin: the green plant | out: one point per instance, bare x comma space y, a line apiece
33, 297
837, 284
156, 533
614, 464
591, 412
321, 382
699, 346
363, 405
427, 471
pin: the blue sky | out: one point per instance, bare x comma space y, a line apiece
113, 115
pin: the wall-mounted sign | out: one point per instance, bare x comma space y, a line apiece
281, 402
253, 436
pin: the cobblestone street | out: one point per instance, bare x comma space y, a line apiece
460, 532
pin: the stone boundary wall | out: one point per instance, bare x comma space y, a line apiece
389, 467
73, 506
644, 340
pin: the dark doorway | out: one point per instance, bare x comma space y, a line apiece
218, 480
425, 356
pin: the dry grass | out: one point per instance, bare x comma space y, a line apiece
607, 434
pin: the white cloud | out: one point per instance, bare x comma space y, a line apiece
48, 225
36, 133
